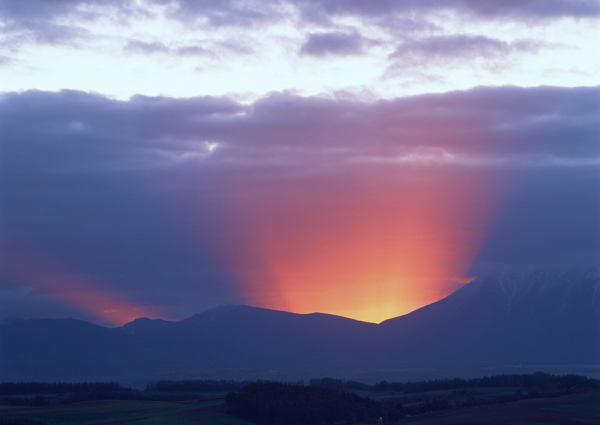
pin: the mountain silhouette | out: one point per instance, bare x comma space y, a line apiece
535, 318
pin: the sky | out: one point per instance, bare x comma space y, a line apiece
362, 158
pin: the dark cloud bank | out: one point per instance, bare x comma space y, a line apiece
135, 193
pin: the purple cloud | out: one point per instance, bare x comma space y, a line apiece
137, 46
334, 44
38, 16
492, 9
5, 60
35, 19
192, 50
223, 13
532, 9
45, 9
500, 121
457, 47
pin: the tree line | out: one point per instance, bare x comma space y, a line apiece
328, 400
277, 403
540, 380
533, 380
191, 385
11, 388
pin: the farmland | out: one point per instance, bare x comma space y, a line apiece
122, 412
535, 399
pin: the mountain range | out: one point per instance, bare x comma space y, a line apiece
524, 320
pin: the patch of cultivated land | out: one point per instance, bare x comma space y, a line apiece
125, 412
573, 409
208, 408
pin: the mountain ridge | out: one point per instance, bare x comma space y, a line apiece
528, 318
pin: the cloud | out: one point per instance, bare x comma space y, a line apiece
44, 20
223, 13
333, 43
42, 9
494, 9
507, 121
43, 33
192, 50
175, 203
142, 47
463, 46
440, 156
454, 48
532, 9
137, 46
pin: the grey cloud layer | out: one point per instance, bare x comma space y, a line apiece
129, 191
137, 46
34, 19
226, 12
38, 16
200, 48
333, 43
242, 12
526, 9
459, 47
236, 13
507, 121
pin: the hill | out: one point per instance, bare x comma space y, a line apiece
532, 319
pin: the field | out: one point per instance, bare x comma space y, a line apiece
493, 406
573, 409
209, 412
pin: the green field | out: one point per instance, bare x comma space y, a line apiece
543, 411
210, 412
541, 400
589, 405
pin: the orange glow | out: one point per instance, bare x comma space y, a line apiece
49, 277
369, 246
